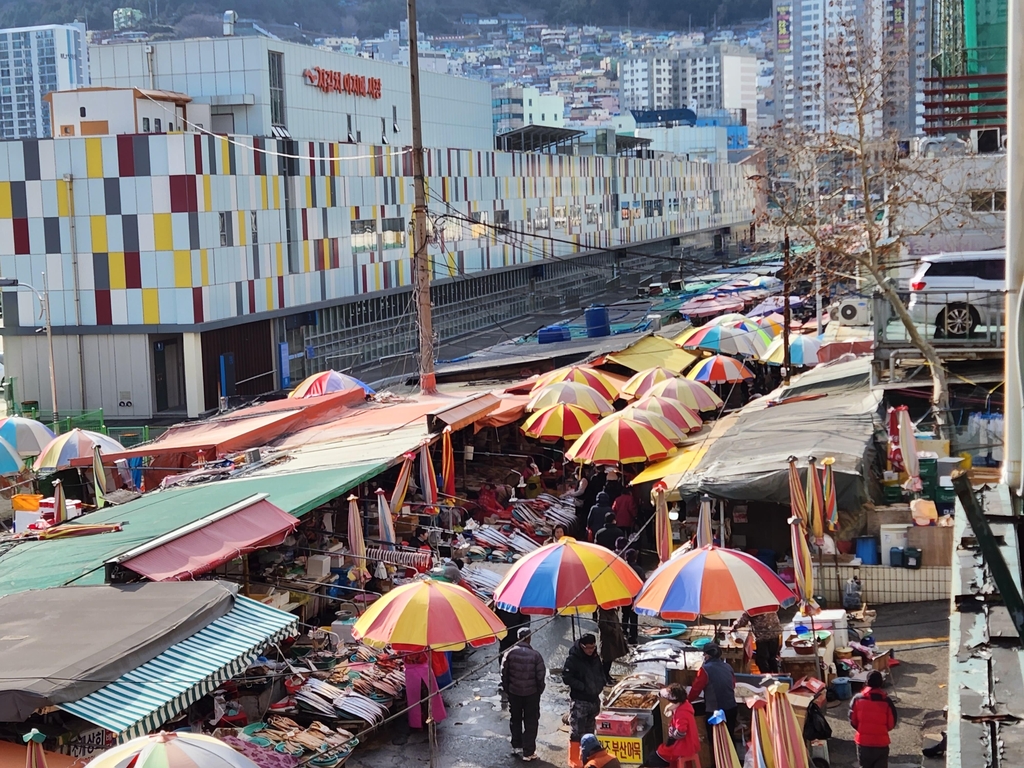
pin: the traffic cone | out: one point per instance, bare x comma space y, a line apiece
574, 755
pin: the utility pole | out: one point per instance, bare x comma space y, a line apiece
1013, 438
817, 251
785, 309
420, 260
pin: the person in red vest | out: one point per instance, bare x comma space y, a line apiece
872, 715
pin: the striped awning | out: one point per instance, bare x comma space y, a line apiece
147, 697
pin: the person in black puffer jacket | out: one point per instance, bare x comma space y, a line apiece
522, 678
584, 675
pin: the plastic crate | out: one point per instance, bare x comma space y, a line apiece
892, 494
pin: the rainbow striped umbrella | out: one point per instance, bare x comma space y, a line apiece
35, 757
797, 495
402, 483
727, 319
724, 749
641, 382
447, 467
788, 746
326, 382
719, 369
723, 339
712, 580
662, 523
587, 398
673, 411
803, 351
695, 395
580, 374
803, 568
815, 500
828, 482
562, 421
771, 324
172, 750
28, 436
428, 478
76, 444
655, 421
428, 615
619, 441
384, 520
760, 735
567, 577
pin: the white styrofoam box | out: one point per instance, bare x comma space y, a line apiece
22, 520
318, 566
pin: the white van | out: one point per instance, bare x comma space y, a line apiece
958, 292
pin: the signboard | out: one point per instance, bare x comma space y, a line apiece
899, 19
783, 29
88, 743
332, 81
283, 358
627, 749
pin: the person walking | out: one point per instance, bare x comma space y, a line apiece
873, 715
630, 621
598, 514
625, 511
717, 681
609, 534
613, 640
522, 678
583, 675
767, 631
596, 756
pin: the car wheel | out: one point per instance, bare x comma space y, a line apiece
956, 321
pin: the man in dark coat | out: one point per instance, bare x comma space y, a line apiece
583, 674
609, 534
598, 513
522, 678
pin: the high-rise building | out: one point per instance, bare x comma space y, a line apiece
650, 81
516, 106
33, 62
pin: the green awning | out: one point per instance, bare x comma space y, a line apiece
56, 562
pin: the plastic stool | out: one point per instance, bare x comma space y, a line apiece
686, 762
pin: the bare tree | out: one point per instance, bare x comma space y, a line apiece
854, 187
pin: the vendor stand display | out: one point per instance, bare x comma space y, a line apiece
629, 725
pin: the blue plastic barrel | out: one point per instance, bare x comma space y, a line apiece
549, 334
842, 687
867, 550
597, 320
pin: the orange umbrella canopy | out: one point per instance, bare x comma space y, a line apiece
580, 374
587, 398
562, 421
693, 394
684, 418
642, 382
619, 441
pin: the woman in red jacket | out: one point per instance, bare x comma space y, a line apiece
683, 743
872, 716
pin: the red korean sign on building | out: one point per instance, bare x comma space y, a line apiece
332, 81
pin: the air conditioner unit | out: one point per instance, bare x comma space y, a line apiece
854, 312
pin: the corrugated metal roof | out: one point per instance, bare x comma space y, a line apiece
160, 689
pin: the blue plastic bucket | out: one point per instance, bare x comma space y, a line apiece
597, 321
842, 687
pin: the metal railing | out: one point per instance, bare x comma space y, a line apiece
975, 319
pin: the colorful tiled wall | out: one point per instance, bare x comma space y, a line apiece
186, 229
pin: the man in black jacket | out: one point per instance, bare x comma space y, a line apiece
584, 675
596, 516
522, 678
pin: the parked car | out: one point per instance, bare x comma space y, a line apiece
958, 292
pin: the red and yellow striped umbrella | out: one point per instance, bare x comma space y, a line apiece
430, 615
619, 441
788, 746
447, 467
815, 501
580, 374
641, 382
684, 417
562, 421
655, 421
692, 394
828, 483
802, 568
719, 369
587, 398
567, 577
797, 495
402, 484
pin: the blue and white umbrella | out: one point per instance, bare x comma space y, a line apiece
803, 351
28, 436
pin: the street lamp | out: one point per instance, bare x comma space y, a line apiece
11, 282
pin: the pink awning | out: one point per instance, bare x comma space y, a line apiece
202, 549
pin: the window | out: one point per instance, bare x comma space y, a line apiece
254, 232
384, 130
986, 201
81, 111
501, 218
394, 232
541, 219
156, 125
276, 88
225, 229
348, 122
593, 214
394, 118
559, 218
364, 235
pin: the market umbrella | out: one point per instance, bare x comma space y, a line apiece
35, 757
684, 335
356, 543
712, 580
28, 436
326, 382
765, 281
908, 449
587, 398
815, 501
803, 351
771, 324
724, 749
384, 519
60, 506
685, 419
428, 478
723, 339
788, 746
803, 568
693, 394
619, 441
402, 483
428, 615
797, 494
76, 444
447, 467
561, 421
655, 421
828, 482
172, 750
719, 369
662, 524
11, 462
99, 478
580, 374
567, 577
761, 754
641, 382
727, 319
705, 532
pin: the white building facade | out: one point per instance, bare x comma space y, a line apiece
35, 61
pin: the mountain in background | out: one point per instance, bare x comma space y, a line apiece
370, 18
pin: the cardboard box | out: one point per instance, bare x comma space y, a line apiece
890, 515
617, 724
935, 543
